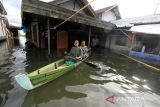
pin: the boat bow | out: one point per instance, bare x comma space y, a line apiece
24, 81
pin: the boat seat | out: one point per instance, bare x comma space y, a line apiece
52, 68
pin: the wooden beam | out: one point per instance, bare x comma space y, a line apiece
49, 45
57, 2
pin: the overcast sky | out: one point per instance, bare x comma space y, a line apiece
128, 8
13, 8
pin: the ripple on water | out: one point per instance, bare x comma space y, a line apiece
87, 89
11, 63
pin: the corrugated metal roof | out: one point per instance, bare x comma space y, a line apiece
129, 22
147, 29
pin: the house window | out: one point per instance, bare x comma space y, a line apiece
121, 41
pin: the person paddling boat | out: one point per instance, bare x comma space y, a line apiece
75, 53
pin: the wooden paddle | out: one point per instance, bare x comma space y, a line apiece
91, 64
86, 62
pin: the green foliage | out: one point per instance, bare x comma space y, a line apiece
137, 49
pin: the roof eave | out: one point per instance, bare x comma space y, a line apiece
3, 9
41, 8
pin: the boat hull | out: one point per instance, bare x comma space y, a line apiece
38, 78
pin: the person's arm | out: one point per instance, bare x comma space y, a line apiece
70, 52
86, 49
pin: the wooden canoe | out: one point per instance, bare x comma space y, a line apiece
45, 74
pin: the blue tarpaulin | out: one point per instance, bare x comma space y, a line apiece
149, 58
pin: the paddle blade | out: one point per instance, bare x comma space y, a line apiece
92, 64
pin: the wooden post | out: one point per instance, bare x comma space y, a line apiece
89, 36
32, 38
109, 42
49, 46
37, 29
132, 41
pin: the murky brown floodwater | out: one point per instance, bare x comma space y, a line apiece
131, 84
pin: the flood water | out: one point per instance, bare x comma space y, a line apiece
121, 81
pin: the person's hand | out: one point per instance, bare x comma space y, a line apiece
77, 57
65, 52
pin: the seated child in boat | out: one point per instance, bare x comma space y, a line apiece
84, 49
75, 53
